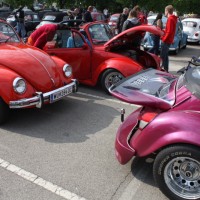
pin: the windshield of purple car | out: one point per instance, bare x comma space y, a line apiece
7, 33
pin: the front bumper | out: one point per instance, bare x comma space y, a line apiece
123, 151
41, 98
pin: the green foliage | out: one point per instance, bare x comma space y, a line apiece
183, 6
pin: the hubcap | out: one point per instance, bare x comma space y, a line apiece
112, 78
182, 176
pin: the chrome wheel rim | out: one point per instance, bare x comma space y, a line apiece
182, 176
113, 78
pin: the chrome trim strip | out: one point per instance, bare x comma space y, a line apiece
40, 98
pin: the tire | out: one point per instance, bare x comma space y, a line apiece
4, 111
176, 171
109, 78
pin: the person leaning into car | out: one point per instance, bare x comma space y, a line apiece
45, 33
168, 36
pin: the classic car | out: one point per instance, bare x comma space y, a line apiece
98, 57
165, 127
180, 38
29, 76
31, 20
53, 18
191, 26
113, 22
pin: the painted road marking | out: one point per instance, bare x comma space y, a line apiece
66, 194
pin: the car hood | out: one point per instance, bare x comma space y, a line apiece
147, 88
129, 35
32, 64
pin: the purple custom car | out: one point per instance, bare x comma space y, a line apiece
167, 123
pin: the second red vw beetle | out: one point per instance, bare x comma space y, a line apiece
98, 57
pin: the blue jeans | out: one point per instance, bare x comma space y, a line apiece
21, 29
156, 44
164, 55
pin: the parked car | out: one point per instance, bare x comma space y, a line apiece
180, 38
166, 125
29, 76
31, 20
191, 26
53, 18
98, 57
113, 22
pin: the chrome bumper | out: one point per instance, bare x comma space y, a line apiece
41, 98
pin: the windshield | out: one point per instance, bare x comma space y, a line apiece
100, 33
7, 33
114, 18
192, 80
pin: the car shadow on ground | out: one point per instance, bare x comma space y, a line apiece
71, 120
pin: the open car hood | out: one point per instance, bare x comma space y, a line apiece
147, 88
130, 34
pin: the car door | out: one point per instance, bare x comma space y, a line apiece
71, 46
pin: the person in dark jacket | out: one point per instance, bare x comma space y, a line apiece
87, 15
19, 15
131, 22
156, 38
122, 18
168, 37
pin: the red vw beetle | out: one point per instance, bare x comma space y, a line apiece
98, 57
29, 76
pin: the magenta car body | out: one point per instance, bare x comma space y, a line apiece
167, 123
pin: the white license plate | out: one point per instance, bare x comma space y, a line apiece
58, 95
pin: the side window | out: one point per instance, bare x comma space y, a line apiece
61, 38
75, 41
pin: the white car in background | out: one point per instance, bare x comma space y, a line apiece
191, 26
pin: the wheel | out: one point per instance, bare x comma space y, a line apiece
4, 111
109, 78
176, 171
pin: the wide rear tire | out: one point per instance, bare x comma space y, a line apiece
176, 171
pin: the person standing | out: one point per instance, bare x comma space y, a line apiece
19, 15
131, 20
156, 38
105, 13
87, 15
140, 15
122, 18
168, 36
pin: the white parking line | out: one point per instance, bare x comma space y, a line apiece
66, 194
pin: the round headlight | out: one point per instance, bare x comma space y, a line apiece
67, 69
19, 85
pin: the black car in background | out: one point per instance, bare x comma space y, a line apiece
31, 20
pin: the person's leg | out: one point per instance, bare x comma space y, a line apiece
157, 44
23, 30
164, 55
152, 49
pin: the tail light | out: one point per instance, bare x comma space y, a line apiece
147, 115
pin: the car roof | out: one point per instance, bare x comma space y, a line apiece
192, 19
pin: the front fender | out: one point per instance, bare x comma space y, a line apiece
7, 92
168, 128
125, 66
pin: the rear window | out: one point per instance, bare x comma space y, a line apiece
49, 18
189, 24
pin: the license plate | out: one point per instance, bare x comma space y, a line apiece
58, 95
